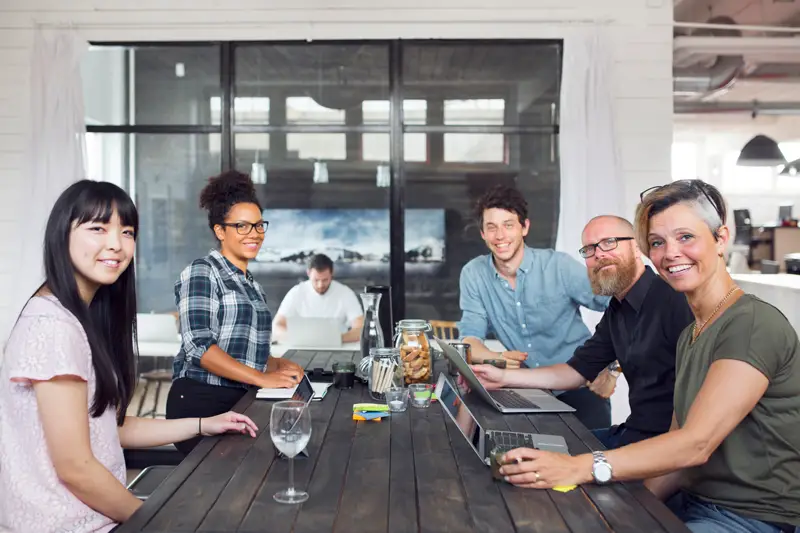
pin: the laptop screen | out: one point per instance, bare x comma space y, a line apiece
451, 401
304, 391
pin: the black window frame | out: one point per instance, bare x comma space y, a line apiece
395, 128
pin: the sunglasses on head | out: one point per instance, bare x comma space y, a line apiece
693, 185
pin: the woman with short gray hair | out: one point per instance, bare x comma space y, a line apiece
734, 445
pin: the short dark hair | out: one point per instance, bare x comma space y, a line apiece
225, 191
502, 197
320, 263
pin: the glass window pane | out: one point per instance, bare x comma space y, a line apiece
485, 82
377, 111
304, 110
442, 234
312, 83
316, 146
474, 147
169, 172
345, 217
163, 84
480, 111
106, 158
376, 147
247, 110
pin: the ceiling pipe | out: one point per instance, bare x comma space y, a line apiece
699, 82
751, 108
715, 26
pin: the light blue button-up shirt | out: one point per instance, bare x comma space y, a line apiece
541, 316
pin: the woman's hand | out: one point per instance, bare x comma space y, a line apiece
490, 376
278, 379
290, 368
536, 469
228, 422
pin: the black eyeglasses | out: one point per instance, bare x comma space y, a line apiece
606, 245
244, 228
691, 185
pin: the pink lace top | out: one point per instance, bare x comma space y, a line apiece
47, 341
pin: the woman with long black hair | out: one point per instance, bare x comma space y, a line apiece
70, 371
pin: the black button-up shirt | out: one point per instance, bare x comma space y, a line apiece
641, 332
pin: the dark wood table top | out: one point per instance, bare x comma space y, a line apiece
412, 472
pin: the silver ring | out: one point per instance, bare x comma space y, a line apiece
537, 475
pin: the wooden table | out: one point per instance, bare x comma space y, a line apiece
413, 472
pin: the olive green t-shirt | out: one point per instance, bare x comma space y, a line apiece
755, 472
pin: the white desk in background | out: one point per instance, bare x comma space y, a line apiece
277, 350
780, 290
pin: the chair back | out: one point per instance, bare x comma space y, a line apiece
444, 329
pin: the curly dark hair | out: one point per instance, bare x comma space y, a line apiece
502, 197
225, 191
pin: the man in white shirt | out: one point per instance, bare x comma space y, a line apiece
320, 296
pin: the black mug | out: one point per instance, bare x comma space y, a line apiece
344, 374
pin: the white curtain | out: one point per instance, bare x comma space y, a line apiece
591, 174
56, 148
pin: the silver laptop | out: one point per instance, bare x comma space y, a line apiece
484, 441
506, 400
313, 332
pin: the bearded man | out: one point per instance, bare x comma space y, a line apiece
639, 329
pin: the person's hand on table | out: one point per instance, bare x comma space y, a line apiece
536, 469
490, 377
604, 384
229, 422
290, 368
514, 358
278, 379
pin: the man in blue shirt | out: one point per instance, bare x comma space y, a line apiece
529, 298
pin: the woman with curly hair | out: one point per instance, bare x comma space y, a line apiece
224, 319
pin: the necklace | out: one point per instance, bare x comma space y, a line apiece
697, 330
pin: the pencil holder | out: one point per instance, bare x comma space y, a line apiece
386, 372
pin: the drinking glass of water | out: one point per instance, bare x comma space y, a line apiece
290, 429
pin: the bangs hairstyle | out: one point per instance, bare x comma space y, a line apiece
706, 201
110, 320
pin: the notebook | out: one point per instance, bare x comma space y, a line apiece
301, 390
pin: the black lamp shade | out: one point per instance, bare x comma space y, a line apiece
761, 151
791, 169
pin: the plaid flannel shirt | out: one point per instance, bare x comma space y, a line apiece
219, 304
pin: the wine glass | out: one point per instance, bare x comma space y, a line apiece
290, 429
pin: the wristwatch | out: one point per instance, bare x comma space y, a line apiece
601, 470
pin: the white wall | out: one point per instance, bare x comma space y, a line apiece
641, 31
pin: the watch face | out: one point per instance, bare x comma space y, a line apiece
602, 472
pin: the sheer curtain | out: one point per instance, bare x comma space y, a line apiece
56, 148
591, 174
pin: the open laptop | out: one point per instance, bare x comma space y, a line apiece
506, 400
484, 441
313, 332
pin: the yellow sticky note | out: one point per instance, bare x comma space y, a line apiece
566, 488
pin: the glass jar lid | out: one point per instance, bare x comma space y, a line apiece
413, 324
384, 352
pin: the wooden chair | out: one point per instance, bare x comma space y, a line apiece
444, 329
159, 378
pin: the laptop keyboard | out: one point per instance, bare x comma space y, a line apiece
511, 440
509, 398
